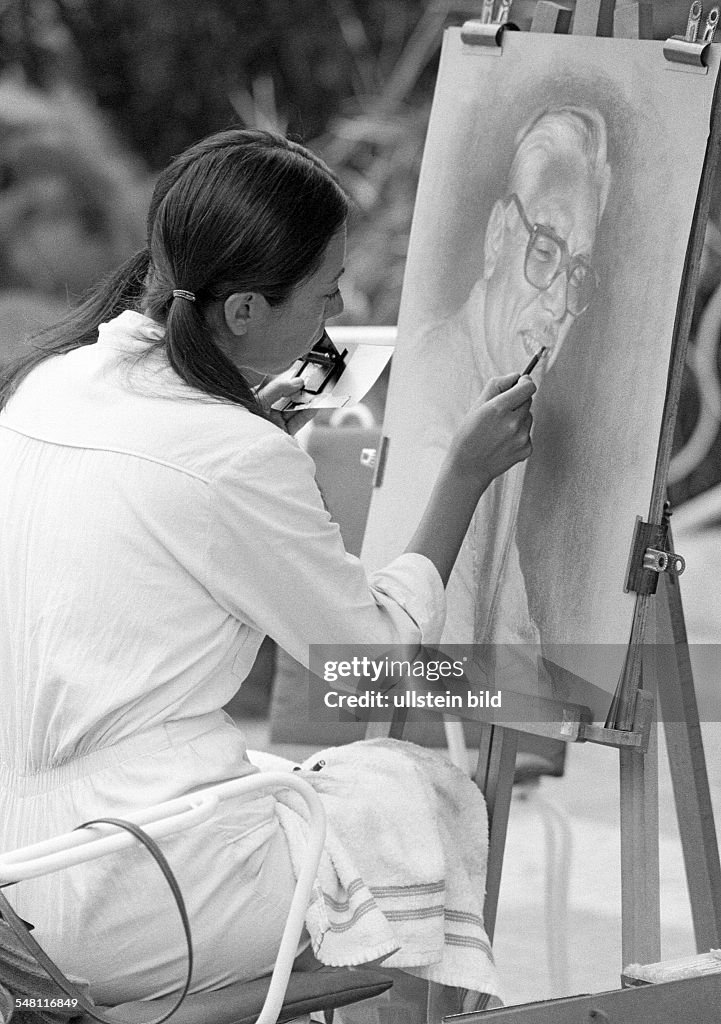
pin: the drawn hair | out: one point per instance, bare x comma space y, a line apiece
242, 210
555, 130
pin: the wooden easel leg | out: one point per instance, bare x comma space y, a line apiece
551, 17
641, 912
494, 777
633, 21
679, 712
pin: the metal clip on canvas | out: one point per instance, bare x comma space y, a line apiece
488, 33
689, 52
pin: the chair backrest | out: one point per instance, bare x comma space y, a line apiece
172, 816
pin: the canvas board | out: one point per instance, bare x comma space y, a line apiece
543, 566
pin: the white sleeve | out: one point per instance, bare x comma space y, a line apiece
276, 561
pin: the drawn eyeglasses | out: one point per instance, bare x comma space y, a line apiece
547, 256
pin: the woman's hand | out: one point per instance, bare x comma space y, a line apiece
495, 433
493, 436
284, 387
279, 387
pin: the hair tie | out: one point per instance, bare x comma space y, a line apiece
180, 293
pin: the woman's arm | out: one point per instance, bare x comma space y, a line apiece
276, 561
494, 435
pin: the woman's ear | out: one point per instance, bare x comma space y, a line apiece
242, 310
493, 242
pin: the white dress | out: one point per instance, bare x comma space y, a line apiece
149, 538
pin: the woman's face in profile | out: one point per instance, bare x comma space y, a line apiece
275, 336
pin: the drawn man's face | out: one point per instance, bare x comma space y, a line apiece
520, 317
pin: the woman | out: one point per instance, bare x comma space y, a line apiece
154, 525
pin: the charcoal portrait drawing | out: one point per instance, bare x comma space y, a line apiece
553, 213
537, 279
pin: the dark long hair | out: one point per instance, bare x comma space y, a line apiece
243, 210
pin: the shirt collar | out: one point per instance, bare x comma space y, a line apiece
130, 332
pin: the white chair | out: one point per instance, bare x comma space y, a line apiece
287, 995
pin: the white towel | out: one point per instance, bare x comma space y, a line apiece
404, 872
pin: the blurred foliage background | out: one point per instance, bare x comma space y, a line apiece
113, 88
97, 95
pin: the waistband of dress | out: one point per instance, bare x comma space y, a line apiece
153, 740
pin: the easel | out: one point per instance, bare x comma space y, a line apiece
691, 1001
631, 725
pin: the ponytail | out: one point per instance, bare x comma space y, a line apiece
196, 358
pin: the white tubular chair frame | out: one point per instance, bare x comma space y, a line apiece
96, 841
